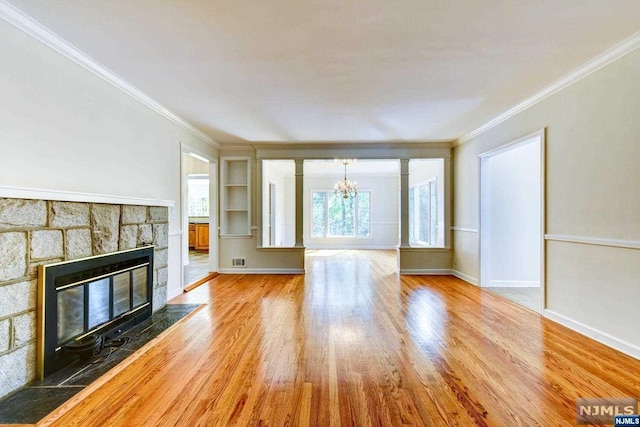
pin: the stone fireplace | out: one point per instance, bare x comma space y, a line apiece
41, 232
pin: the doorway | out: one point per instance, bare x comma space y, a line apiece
199, 220
338, 219
512, 221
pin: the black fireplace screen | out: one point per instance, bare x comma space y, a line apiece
101, 295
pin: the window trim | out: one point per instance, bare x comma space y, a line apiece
326, 217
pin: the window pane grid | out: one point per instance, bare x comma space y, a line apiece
423, 213
364, 214
198, 197
334, 216
318, 216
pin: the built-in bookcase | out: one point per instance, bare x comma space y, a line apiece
235, 200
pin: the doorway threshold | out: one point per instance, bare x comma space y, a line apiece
199, 282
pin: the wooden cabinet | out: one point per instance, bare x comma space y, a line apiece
199, 237
235, 197
202, 237
192, 236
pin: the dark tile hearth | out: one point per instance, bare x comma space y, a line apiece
31, 403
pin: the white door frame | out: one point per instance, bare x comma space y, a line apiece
483, 239
213, 210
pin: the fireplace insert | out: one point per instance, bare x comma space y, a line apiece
83, 303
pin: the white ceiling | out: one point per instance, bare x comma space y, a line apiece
339, 70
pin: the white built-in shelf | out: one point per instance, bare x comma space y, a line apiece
235, 198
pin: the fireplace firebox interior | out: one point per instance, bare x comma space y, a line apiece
84, 303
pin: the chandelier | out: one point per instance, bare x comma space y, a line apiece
345, 188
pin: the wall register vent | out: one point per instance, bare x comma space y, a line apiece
239, 262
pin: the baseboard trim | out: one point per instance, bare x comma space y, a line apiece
261, 271
425, 271
465, 277
174, 294
513, 284
588, 331
350, 248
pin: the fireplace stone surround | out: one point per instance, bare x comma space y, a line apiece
37, 232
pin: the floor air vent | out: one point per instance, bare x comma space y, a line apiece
238, 262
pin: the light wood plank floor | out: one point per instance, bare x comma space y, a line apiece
352, 343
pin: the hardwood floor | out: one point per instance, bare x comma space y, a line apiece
352, 343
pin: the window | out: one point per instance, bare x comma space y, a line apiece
423, 213
198, 190
334, 216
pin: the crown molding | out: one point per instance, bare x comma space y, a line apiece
25, 23
243, 270
600, 61
425, 271
353, 145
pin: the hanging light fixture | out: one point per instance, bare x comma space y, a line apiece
346, 188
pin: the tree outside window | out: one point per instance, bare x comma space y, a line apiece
318, 217
334, 216
198, 196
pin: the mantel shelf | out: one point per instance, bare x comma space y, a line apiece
236, 210
236, 185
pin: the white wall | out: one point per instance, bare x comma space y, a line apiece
287, 227
510, 226
65, 129
384, 211
282, 174
592, 200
